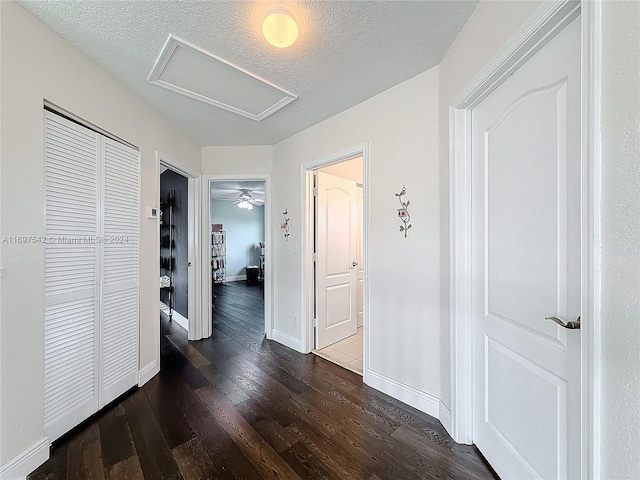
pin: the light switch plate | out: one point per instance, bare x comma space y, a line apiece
152, 212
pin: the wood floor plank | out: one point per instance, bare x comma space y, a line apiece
370, 457
224, 385
258, 452
194, 462
286, 395
113, 426
128, 469
444, 461
267, 427
305, 463
282, 413
84, 455
190, 353
153, 451
174, 425
225, 455
335, 461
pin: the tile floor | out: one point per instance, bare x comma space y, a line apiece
347, 352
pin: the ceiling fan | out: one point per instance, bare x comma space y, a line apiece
251, 193
245, 200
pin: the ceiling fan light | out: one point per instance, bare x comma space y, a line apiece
279, 28
245, 205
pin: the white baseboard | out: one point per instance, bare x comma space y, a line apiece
26, 462
148, 372
445, 417
180, 320
287, 340
236, 278
423, 401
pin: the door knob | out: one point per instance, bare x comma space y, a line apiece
354, 264
572, 325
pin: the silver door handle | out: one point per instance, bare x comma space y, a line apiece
354, 264
572, 325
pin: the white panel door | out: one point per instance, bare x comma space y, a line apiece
336, 272
120, 243
526, 266
360, 256
71, 311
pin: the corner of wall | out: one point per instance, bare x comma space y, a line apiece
147, 373
287, 340
423, 401
444, 415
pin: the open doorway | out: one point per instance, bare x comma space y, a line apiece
178, 223
174, 246
338, 268
237, 214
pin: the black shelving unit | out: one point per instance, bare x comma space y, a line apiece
167, 247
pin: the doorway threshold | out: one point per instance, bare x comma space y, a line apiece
346, 353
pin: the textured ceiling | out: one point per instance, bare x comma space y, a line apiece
347, 51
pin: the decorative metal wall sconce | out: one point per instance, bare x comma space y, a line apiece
285, 226
403, 212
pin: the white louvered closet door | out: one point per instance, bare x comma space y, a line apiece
92, 190
71, 307
119, 326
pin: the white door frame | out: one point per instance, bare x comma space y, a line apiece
206, 242
307, 280
193, 213
547, 21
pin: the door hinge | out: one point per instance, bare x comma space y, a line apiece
315, 257
315, 191
315, 322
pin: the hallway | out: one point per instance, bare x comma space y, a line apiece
238, 406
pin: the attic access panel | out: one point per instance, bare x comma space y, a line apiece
191, 71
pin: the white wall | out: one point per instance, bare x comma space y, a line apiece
487, 30
37, 65
244, 230
401, 126
230, 160
621, 240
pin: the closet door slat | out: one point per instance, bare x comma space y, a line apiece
71, 196
121, 220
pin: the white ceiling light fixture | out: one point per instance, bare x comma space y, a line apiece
246, 200
279, 27
245, 205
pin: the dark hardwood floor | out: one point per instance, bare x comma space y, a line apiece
239, 406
